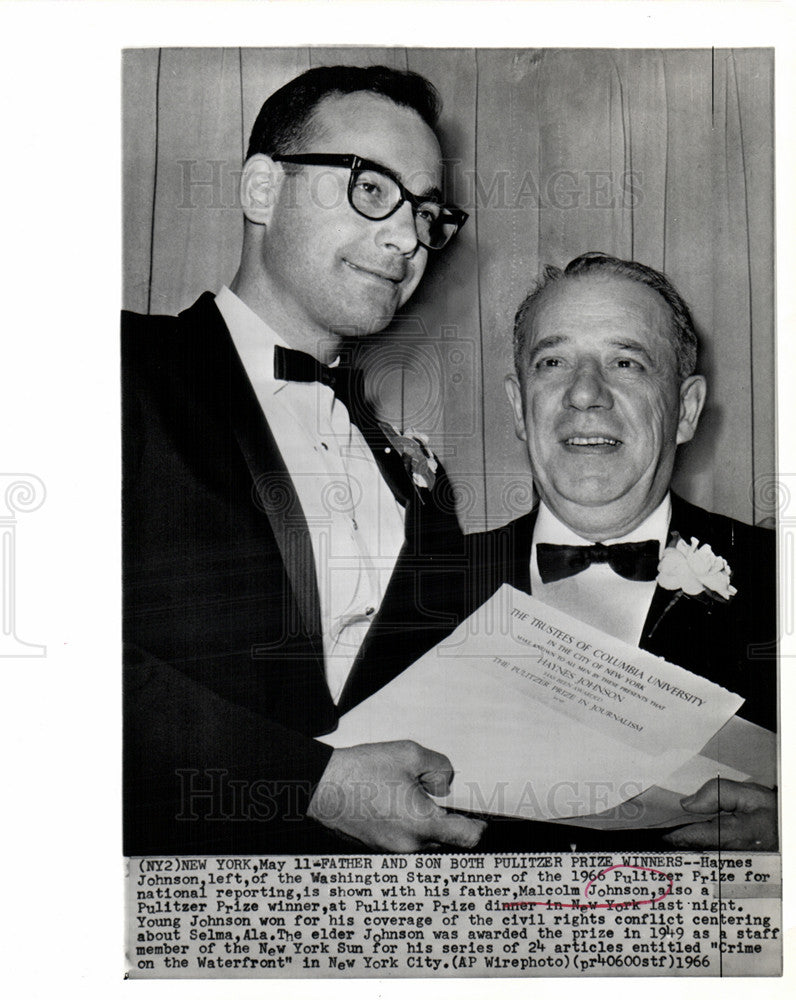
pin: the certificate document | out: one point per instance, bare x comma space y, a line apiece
545, 717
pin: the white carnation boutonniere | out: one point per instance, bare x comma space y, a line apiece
695, 570
418, 458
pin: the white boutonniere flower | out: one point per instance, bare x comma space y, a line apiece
695, 570
418, 458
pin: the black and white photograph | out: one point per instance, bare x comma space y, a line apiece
396, 513
449, 477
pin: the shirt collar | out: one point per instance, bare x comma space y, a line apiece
549, 529
253, 338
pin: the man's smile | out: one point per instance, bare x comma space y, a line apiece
394, 277
597, 443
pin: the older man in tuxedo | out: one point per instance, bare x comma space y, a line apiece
280, 543
604, 392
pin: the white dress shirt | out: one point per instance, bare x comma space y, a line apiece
355, 523
598, 595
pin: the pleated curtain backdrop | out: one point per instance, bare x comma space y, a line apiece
665, 157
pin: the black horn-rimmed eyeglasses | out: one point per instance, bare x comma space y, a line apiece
376, 193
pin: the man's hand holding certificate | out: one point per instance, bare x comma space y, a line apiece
546, 717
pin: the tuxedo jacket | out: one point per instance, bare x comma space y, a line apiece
731, 643
225, 688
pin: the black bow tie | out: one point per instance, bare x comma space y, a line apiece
295, 366
632, 560
346, 383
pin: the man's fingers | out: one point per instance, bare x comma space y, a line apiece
696, 835
379, 794
436, 782
454, 830
732, 831
435, 772
742, 832
728, 796
435, 825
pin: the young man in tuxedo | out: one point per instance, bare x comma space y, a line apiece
282, 557
605, 391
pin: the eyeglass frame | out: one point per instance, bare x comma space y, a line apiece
354, 163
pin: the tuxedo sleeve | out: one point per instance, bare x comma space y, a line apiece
206, 775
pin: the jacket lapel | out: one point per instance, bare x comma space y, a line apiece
390, 463
520, 544
272, 483
671, 616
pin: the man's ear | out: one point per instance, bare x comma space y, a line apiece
514, 392
692, 398
259, 185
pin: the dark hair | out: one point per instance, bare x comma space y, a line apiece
684, 334
285, 121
